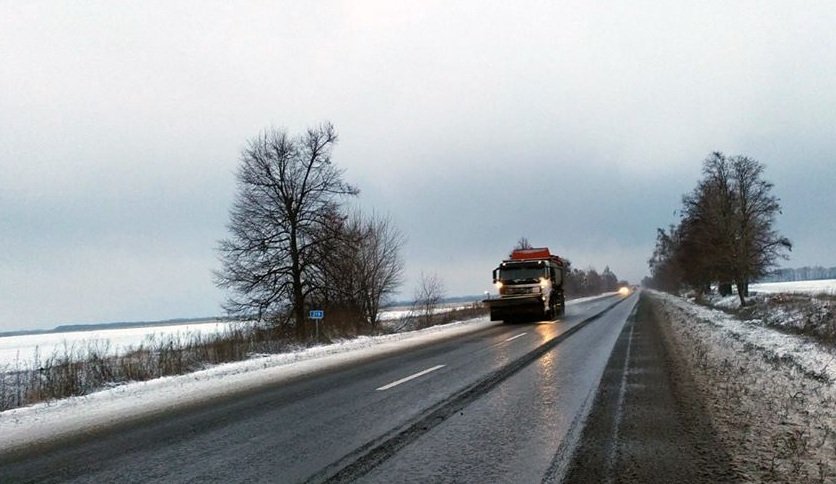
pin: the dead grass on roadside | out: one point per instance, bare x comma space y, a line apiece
413, 320
75, 370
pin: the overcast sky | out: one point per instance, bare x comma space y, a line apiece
578, 126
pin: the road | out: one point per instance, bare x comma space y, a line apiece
505, 403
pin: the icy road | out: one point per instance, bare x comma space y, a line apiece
499, 403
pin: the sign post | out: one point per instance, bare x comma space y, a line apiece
316, 315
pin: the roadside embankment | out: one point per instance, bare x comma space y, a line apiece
770, 396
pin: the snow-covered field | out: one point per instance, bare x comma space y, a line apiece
827, 286
23, 351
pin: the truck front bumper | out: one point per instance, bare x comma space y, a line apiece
511, 307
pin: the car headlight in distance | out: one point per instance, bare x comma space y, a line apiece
624, 291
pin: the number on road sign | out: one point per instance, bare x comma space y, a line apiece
317, 314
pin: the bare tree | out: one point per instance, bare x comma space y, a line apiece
609, 281
756, 244
523, 243
336, 274
428, 295
359, 265
379, 263
706, 231
664, 263
594, 281
288, 189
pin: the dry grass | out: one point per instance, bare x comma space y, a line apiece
416, 320
79, 370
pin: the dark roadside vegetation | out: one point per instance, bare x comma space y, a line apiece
774, 417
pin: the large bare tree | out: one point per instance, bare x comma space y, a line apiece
756, 244
288, 188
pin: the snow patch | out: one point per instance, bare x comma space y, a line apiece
811, 357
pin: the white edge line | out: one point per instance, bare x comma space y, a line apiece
410, 377
512, 338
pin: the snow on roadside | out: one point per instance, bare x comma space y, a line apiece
771, 395
812, 358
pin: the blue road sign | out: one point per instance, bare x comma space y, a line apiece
316, 314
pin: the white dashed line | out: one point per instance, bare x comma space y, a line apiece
410, 377
512, 338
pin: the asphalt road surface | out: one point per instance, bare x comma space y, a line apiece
503, 404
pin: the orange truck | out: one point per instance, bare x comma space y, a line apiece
530, 284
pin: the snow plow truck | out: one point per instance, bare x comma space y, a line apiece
530, 285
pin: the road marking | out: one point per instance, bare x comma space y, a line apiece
410, 377
622, 393
512, 338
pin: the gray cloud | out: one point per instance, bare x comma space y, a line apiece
578, 126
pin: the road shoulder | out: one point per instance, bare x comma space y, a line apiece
648, 422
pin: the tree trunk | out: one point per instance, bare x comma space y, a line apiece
298, 296
299, 307
742, 291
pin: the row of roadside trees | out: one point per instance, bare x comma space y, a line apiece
590, 282
726, 232
294, 245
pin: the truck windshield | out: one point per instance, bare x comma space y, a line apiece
508, 274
